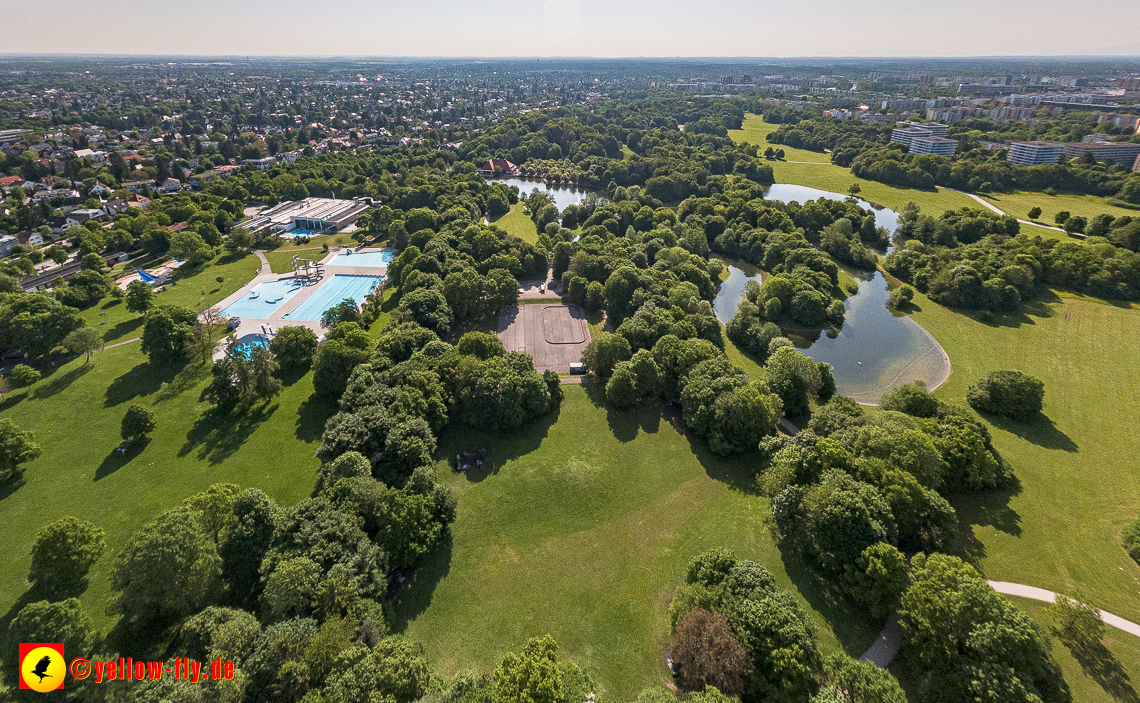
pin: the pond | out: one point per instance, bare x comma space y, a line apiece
875, 350
786, 192
732, 288
562, 196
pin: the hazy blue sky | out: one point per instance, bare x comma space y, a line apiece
575, 27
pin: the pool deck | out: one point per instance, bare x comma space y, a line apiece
278, 318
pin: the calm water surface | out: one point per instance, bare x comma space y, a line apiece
562, 196
875, 350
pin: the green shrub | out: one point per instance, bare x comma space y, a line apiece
1011, 394
23, 375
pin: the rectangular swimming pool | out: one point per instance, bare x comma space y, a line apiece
374, 259
268, 297
330, 293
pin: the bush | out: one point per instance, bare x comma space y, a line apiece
23, 375
294, 347
912, 399
1034, 213
900, 297
1011, 394
1131, 539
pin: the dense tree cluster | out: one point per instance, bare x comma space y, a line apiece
974, 261
735, 631
412, 384
855, 481
971, 643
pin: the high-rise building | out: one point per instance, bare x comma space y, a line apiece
934, 145
1036, 153
1119, 152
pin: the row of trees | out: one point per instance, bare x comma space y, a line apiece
997, 270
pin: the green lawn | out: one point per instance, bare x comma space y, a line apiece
1102, 677
518, 224
1059, 527
281, 261
755, 131
197, 288
581, 527
1088, 206
75, 414
827, 176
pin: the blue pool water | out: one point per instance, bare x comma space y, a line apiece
374, 259
260, 307
332, 292
299, 233
246, 345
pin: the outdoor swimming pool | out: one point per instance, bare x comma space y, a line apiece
270, 296
330, 293
373, 259
245, 346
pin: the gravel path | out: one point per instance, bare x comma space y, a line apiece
1023, 591
993, 208
883, 651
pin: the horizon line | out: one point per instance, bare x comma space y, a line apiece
471, 57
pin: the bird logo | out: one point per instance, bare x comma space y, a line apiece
41, 669
42, 666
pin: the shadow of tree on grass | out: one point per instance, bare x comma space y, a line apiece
989, 508
414, 596
312, 416
217, 435
57, 382
1102, 666
1041, 431
142, 380
117, 460
501, 447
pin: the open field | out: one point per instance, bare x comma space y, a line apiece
1059, 527
519, 224
75, 414
198, 288
755, 131
1088, 206
827, 176
581, 526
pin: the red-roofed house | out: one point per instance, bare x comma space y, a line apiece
499, 166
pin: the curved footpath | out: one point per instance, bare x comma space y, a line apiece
884, 649
990, 206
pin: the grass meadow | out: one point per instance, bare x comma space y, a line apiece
1088, 206
518, 223
75, 413
581, 526
1076, 467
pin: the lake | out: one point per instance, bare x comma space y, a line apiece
875, 350
562, 196
732, 288
786, 192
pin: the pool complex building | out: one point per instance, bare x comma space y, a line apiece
331, 292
